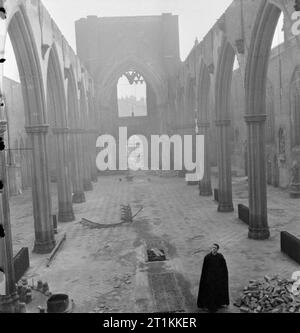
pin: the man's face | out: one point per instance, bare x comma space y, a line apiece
214, 250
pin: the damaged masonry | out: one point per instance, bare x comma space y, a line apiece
218, 214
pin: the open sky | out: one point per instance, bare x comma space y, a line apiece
195, 18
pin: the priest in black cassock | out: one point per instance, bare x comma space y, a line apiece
213, 288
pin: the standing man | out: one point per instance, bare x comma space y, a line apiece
213, 288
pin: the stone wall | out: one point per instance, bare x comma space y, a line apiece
146, 44
280, 154
18, 148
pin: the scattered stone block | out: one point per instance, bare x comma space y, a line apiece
290, 245
244, 214
270, 295
21, 263
216, 195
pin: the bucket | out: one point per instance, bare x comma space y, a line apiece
58, 303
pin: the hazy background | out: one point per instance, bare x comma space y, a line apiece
196, 17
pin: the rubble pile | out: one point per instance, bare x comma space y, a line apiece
24, 290
271, 295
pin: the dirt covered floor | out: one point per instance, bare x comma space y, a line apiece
107, 270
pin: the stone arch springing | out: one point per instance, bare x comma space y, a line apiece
26, 53
56, 91
203, 92
75, 127
56, 107
295, 107
255, 86
223, 124
203, 101
223, 82
59, 145
258, 57
27, 59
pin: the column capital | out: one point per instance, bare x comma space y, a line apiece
3, 127
63, 130
37, 129
222, 122
255, 118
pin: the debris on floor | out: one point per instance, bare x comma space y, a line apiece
56, 249
156, 254
126, 218
271, 295
101, 309
33, 297
126, 213
94, 225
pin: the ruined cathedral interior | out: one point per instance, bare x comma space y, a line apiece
133, 241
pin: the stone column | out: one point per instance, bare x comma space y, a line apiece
294, 187
41, 198
205, 188
92, 143
8, 303
224, 166
76, 168
89, 155
87, 184
258, 227
65, 208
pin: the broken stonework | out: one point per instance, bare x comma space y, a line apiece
271, 295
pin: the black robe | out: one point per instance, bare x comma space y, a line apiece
2, 233
213, 288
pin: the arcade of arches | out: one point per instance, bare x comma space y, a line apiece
233, 87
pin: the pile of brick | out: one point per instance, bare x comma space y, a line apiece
271, 295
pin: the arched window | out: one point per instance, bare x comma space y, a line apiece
270, 124
295, 107
132, 95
